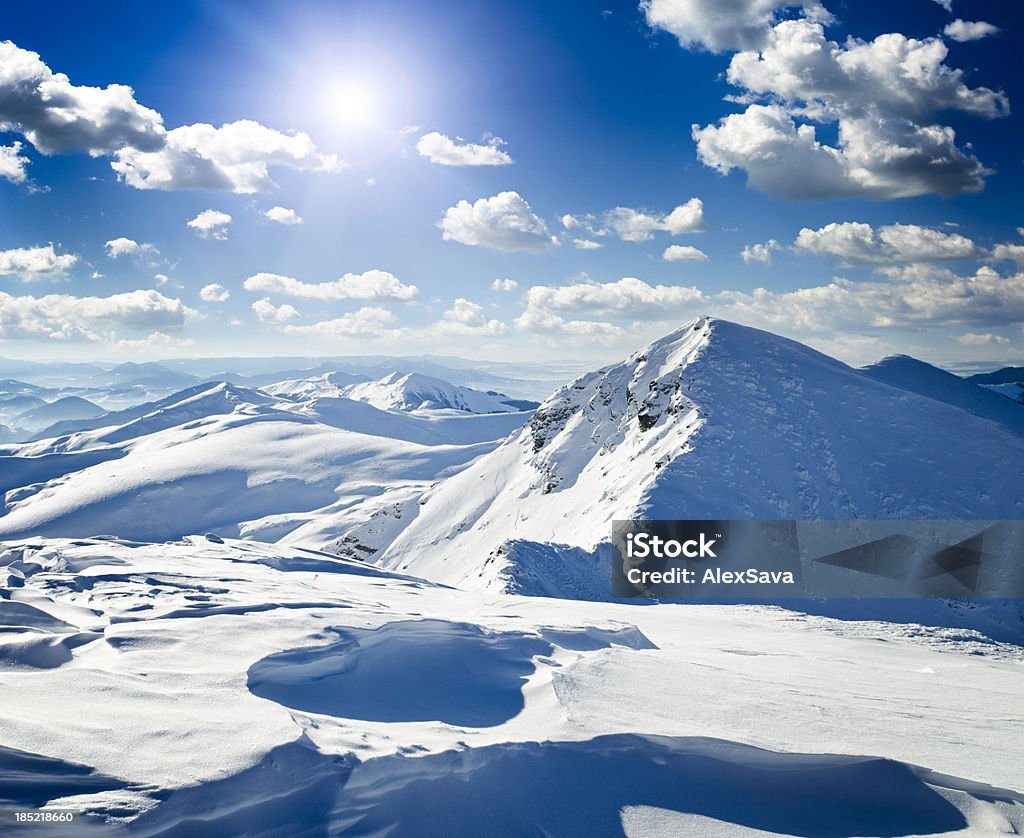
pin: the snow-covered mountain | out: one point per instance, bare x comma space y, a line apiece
241, 462
69, 407
399, 391
925, 380
715, 420
414, 391
330, 385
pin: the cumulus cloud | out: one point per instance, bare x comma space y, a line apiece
683, 253
70, 318
281, 215
586, 244
761, 252
964, 30
723, 26
882, 95
267, 312
235, 157
214, 293
438, 148
504, 285
369, 321
469, 318
914, 296
900, 77
156, 340
858, 243
32, 263
570, 222
371, 285
545, 322
946, 4
503, 222
211, 224
13, 163
982, 339
629, 297
1009, 252
57, 116
637, 226
122, 246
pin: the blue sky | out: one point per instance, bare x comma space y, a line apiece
499, 180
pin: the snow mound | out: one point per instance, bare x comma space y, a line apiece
715, 421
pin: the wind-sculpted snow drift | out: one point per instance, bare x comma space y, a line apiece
229, 688
718, 421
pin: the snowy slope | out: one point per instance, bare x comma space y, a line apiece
238, 689
1013, 390
191, 403
715, 420
232, 460
926, 380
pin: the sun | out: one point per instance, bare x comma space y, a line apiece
353, 101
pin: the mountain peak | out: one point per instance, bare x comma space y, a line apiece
714, 420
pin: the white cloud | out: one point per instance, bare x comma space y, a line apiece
371, 285
368, 322
235, 157
156, 340
982, 339
504, 285
876, 158
503, 222
723, 25
629, 298
914, 296
544, 322
211, 224
281, 215
946, 4
269, 313
214, 293
122, 246
761, 252
160, 278
858, 243
438, 148
570, 222
892, 76
883, 95
586, 244
57, 116
1009, 252
13, 163
31, 263
637, 226
469, 318
683, 253
66, 317
963, 30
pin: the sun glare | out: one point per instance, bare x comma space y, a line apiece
352, 102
